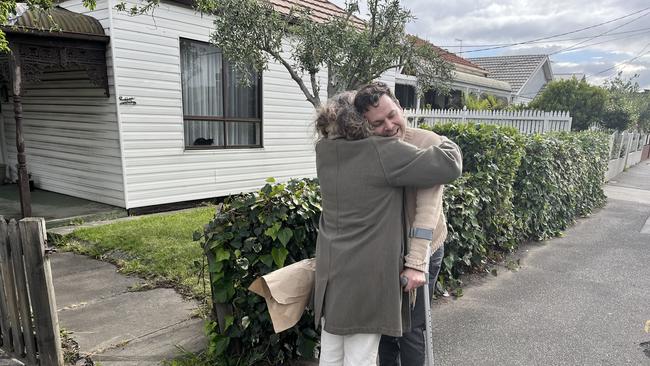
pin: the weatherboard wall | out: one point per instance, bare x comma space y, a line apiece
71, 134
158, 168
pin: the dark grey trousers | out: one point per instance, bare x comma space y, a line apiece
408, 350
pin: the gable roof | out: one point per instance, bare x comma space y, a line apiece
446, 55
516, 70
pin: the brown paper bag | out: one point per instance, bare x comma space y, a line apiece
287, 292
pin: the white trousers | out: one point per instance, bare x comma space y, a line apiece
348, 350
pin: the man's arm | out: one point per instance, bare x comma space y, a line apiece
428, 211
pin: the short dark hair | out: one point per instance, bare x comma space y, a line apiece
369, 95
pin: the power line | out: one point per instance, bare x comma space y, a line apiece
597, 43
615, 28
563, 34
640, 54
639, 30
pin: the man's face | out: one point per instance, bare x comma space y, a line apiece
387, 118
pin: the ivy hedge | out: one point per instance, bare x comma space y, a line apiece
514, 188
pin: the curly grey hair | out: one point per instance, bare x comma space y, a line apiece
338, 118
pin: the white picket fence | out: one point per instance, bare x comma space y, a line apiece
527, 121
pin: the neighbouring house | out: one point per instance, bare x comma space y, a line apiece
468, 78
527, 74
158, 117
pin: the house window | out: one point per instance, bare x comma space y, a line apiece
406, 95
218, 111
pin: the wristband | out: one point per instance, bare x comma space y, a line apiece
418, 232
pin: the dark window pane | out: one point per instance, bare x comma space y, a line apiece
204, 133
406, 95
201, 78
243, 133
242, 101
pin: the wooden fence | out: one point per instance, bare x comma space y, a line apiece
29, 327
526, 121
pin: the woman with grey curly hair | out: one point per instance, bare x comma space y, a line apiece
361, 238
338, 118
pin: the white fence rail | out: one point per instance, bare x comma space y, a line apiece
525, 121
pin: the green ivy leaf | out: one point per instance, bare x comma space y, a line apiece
196, 236
279, 256
272, 232
229, 320
267, 259
221, 254
285, 235
221, 343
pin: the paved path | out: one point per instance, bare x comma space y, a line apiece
578, 300
117, 326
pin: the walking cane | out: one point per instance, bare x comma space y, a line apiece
428, 335
427, 312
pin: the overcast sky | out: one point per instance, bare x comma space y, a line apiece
599, 52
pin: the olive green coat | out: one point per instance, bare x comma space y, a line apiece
360, 246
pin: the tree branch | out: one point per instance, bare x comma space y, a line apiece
314, 86
294, 75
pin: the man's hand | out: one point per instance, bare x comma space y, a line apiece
416, 278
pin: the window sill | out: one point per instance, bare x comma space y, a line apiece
215, 149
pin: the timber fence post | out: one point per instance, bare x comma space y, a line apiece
41, 290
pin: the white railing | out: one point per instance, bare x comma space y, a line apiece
527, 121
626, 150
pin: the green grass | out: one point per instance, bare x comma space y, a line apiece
158, 248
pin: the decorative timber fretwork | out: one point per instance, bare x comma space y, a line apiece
40, 54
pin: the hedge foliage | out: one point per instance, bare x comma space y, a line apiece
484, 198
513, 188
560, 178
251, 235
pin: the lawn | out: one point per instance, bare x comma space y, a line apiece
157, 247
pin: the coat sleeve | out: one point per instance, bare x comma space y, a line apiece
406, 165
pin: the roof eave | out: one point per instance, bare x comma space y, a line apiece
54, 34
545, 61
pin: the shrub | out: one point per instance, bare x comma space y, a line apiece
491, 156
252, 235
560, 178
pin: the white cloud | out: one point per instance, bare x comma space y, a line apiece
566, 64
480, 22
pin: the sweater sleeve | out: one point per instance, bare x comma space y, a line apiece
427, 212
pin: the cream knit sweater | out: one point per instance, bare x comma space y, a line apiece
424, 206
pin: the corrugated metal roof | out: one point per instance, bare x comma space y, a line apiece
56, 19
515, 70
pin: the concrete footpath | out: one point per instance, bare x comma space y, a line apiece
116, 325
583, 299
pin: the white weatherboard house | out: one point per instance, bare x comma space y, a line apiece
170, 125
